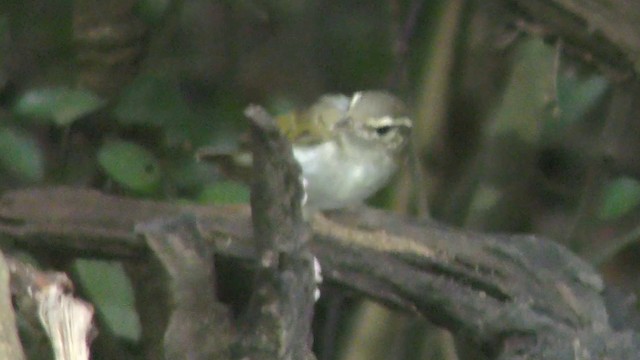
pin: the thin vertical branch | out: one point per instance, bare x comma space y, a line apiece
10, 347
403, 34
278, 320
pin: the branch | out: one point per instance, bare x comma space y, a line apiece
66, 320
199, 326
606, 32
10, 347
510, 294
278, 319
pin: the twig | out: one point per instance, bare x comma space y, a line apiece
66, 320
10, 347
404, 32
277, 323
604, 32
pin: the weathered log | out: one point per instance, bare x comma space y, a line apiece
511, 294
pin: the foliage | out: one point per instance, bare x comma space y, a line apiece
620, 197
20, 156
61, 105
131, 165
509, 135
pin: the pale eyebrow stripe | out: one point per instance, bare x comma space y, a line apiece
389, 121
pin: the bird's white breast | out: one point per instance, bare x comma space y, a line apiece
339, 176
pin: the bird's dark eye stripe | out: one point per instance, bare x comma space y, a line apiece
383, 130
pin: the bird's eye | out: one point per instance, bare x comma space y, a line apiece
382, 130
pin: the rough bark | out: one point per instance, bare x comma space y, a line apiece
513, 295
10, 347
277, 322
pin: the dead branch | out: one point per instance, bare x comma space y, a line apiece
277, 323
10, 347
66, 320
510, 294
604, 32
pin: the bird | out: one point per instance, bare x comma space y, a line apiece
348, 147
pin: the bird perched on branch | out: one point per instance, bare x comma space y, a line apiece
348, 147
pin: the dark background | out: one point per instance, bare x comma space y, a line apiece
514, 133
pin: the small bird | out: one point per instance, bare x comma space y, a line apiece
348, 147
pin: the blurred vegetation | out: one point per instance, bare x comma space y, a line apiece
117, 96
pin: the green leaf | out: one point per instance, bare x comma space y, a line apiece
620, 197
225, 192
131, 165
21, 155
111, 291
60, 104
576, 95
